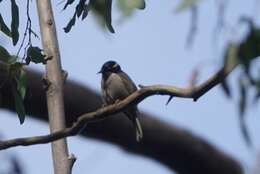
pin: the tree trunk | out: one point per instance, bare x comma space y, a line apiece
55, 101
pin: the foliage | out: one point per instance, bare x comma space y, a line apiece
35, 55
15, 66
18, 78
244, 54
103, 9
15, 22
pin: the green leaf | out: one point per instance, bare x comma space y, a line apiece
35, 55
242, 108
140, 4
186, 4
249, 49
243, 95
19, 106
226, 88
3, 27
12, 59
101, 10
4, 55
245, 132
231, 55
70, 24
69, 2
19, 83
80, 7
15, 22
257, 87
127, 7
22, 83
14, 69
230, 60
108, 15
85, 11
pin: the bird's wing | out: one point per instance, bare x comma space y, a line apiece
105, 96
132, 112
128, 82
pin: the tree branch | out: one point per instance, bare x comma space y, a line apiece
172, 146
133, 99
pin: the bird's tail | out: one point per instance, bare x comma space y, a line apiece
138, 129
132, 114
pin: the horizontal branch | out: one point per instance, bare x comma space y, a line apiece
133, 99
178, 147
101, 113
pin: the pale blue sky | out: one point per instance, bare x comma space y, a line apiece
151, 47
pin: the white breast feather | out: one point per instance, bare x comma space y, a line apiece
116, 87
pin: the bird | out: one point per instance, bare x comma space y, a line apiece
116, 85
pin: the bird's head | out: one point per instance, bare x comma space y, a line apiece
110, 67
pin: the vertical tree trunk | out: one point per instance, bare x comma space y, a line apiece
55, 97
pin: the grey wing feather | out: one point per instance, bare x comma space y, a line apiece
139, 131
128, 82
105, 96
103, 92
132, 113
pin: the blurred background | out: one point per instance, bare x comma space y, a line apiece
154, 46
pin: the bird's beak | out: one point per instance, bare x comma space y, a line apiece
99, 72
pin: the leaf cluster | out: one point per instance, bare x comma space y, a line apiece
17, 74
245, 54
103, 9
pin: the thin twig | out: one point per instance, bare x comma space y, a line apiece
27, 28
28, 31
72, 159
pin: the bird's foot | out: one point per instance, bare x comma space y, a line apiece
103, 105
117, 101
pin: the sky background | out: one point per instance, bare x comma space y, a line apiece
151, 47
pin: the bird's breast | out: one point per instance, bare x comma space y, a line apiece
115, 87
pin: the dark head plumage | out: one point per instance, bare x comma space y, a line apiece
110, 67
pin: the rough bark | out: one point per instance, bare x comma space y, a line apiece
54, 92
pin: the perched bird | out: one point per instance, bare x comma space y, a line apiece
116, 85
